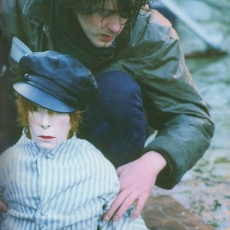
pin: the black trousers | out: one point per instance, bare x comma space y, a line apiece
115, 122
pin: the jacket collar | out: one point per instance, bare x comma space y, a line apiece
37, 9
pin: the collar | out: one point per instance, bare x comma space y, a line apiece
49, 153
37, 9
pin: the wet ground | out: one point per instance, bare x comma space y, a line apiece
205, 190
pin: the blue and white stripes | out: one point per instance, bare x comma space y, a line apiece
65, 188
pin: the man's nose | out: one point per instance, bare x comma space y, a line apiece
114, 24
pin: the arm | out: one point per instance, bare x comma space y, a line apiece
173, 106
182, 139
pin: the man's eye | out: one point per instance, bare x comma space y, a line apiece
35, 108
105, 13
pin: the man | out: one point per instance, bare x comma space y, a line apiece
136, 58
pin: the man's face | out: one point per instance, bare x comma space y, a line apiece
48, 128
103, 26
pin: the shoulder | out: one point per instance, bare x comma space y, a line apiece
7, 156
13, 6
151, 37
8, 152
153, 17
92, 157
88, 148
95, 167
152, 26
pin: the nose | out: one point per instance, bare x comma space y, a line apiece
114, 24
45, 119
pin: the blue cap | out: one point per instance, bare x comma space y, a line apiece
56, 81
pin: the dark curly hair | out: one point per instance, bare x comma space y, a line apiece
128, 9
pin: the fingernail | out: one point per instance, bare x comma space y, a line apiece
106, 218
134, 217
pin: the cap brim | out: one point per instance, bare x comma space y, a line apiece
42, 98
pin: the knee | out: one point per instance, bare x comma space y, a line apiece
118, 89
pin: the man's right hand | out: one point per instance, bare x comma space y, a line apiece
3, 207
137, 180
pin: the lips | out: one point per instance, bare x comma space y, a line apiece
46, 137
107, 38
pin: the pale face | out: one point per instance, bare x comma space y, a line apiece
103, 26
48, 128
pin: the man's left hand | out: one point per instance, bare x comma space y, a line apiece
137, 179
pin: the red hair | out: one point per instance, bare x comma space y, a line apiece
24, 107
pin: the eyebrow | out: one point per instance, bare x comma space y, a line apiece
111, 11
106, 9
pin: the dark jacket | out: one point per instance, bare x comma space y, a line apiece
150, 52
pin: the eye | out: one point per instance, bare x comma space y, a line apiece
57, 113
35, 108
62, 114
105, 12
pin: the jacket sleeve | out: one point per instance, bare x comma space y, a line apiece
173, 105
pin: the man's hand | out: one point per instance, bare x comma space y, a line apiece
136, 183
3, 207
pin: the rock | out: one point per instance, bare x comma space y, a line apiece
165, 213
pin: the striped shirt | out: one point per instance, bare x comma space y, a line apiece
69, 187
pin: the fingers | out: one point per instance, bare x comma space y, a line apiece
120, 170
139, 207
136, 185
122, 203
3, 207
125, 205
115, 206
